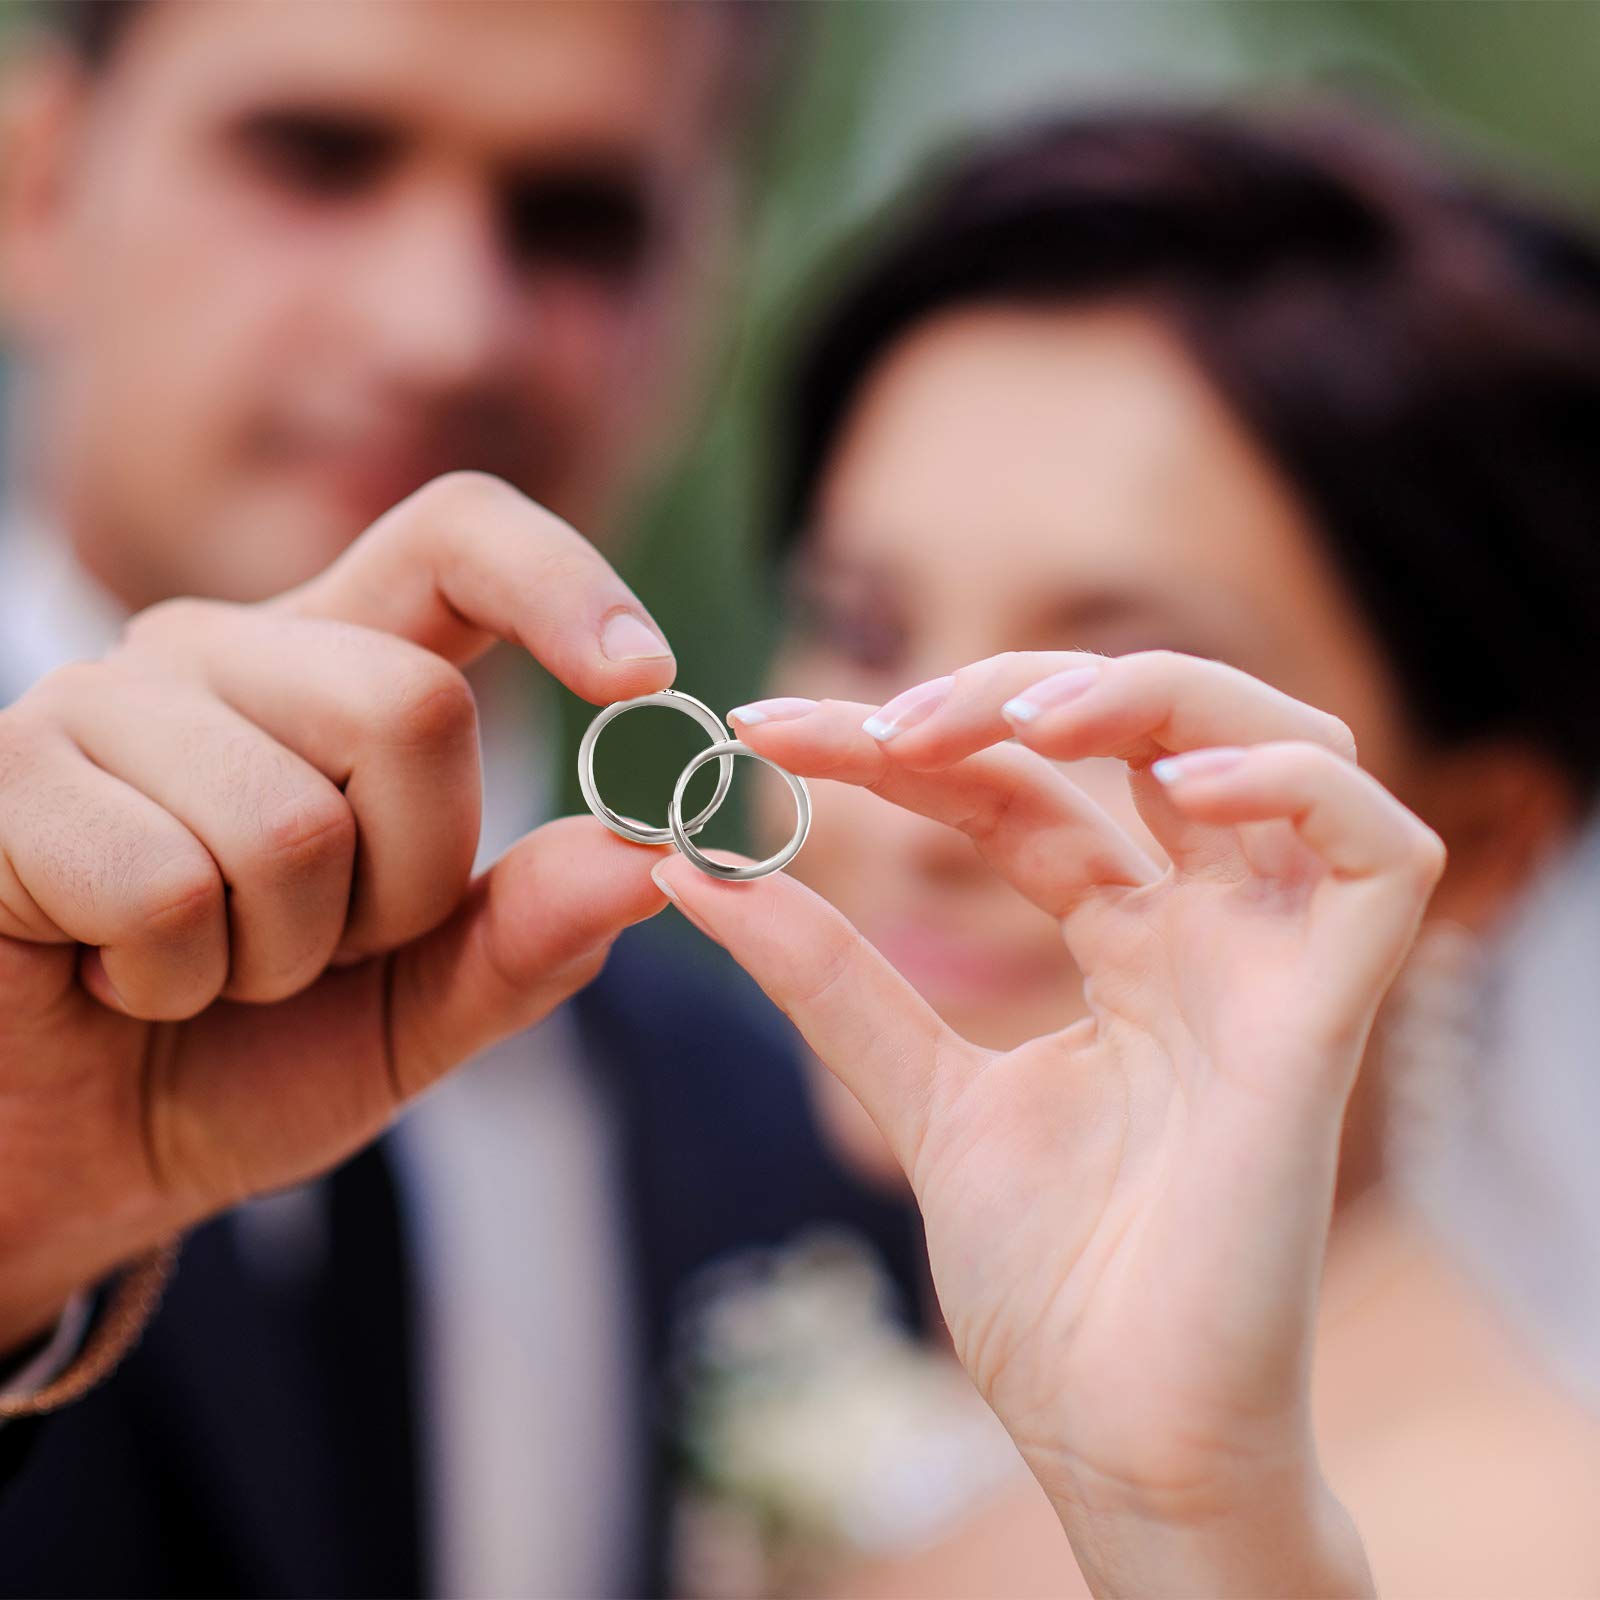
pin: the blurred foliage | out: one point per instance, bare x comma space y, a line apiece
875, 89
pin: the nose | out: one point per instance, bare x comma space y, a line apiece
938, 853
437, 302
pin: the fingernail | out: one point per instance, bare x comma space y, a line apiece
785, 710
1197, 763
93, 960
626, 637
1049, 693
656, 877
908, 709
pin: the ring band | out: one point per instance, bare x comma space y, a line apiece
681, 831
631, 827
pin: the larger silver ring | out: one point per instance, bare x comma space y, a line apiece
756, 869
631, 827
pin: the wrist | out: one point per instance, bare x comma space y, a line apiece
124, 1310
41, 1275
35, 1366
24, 1329
1278, 1533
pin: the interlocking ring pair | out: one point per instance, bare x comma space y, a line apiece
678, 832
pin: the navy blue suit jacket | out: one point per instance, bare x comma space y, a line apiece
263, 1444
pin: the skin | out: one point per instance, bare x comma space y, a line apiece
1125, 1217
238, 924
233, 946
1128, 1186
347, 260
1068, 479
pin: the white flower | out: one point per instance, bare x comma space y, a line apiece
810, 1406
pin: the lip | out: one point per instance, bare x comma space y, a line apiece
370, 482
937, 962
367, 470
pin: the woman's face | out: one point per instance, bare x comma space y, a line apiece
1042, 479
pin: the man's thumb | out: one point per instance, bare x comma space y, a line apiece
530, 932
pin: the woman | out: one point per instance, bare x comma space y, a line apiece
1141, 415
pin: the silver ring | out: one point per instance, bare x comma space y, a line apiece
631, 827
757, 869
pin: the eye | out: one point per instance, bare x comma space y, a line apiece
314, 154
855, 630
601, 224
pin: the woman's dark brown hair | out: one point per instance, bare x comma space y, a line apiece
1419, 354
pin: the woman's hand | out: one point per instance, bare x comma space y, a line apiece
1125, 1219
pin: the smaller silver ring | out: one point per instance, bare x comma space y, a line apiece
756, 869
631, 827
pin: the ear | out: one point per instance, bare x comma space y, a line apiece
43, 95
1502, 810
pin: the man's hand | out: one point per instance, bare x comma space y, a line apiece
238, 927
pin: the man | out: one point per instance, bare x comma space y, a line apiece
271, 269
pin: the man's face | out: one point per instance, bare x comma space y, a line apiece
281, 264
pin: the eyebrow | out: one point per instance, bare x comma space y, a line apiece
1075, 605
377, 134
1064, 611
596, 155
1102, 605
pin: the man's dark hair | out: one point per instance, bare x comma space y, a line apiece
1419, 354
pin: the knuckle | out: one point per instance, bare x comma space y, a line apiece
1156, 679
76, 683
1338, 737
1011, 662
25, 740
1427, 855
177, 899
841, 750
1159, 662
308, 831
464, 492
431, 705
17, 741
841, 712
163, 621
1004, 667
840, 954
1305, 756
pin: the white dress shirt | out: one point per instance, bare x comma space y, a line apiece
508, 1182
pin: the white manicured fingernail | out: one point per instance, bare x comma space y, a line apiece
784, 710
908, 709
1050, 692
626, 638
1197, 763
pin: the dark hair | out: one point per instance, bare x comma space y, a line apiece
1419, 354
